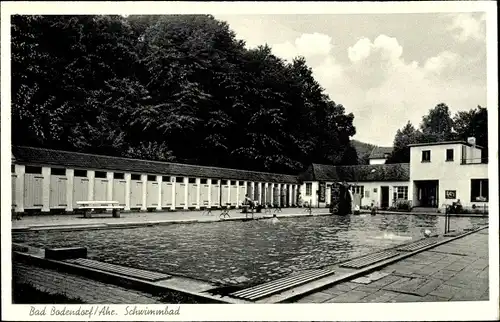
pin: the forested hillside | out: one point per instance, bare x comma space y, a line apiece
363, 149
176, 88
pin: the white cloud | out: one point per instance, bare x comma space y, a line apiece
307, 45
360, 50
466, 26
384, 91
314, 44
374, 80
386, 46
444, 60
328, 71
316, 48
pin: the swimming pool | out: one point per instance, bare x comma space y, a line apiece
244, 253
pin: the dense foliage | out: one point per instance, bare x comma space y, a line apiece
176, 88
438, 126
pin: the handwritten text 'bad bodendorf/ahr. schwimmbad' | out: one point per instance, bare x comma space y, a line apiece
103, 310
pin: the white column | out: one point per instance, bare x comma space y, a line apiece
186, 184
159, 180
198, 191
259, 195
290, 195
127, 190
245, 184
19, 170
144, 179
209, 183
46, 189
279, 195
237, 194
228, 193
70, 174
109, 177
271, 197
91, 177
252, 190
173, 180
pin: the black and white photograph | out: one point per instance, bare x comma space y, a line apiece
164, 154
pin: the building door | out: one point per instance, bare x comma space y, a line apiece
428, 193
384, 198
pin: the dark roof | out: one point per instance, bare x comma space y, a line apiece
444, 143
40, 156
373, 172
379, 152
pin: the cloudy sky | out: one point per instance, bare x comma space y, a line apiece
387, 69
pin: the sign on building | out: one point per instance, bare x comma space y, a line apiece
322, 191
450, 194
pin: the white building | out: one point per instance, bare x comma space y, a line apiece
380, 184
380, 154
438, 174
445, 172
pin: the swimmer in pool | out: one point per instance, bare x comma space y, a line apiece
275, 219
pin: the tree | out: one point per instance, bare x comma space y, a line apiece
437, 125
404, 137
473, 123
174, 87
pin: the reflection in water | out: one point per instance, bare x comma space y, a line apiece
393, 236
246, 252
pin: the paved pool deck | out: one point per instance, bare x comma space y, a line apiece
454, 271
76, 221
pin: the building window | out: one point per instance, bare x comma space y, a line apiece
100, 174
309, 189
58, 172
358, 190
192, 180
151, 178
479, 190
165, 178
426, 156
81, 173
401, 193
449, 154
203, 181
135, 176
118, 175
33, 170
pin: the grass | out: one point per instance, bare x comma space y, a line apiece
28, 294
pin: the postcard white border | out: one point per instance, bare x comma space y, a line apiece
275, 312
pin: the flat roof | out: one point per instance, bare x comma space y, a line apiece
445, 143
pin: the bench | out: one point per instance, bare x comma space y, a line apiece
90, 206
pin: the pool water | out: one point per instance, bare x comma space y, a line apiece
245, 253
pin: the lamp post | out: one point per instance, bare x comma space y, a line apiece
373, 211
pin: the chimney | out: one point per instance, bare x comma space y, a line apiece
472, 141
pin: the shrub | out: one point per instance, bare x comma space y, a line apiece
403, 205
